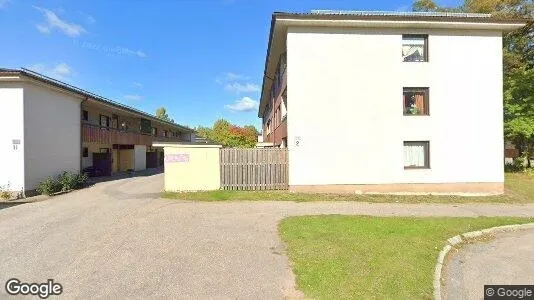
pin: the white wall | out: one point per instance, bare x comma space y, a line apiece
140, 157
52, 131
345, 105
11, 128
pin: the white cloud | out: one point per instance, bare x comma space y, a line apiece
54, 22
140, 53
230, 77
243, 105
134, 97
242, 88
43, 29
89, 19
3, 3
234, 82
60, 71
117, 50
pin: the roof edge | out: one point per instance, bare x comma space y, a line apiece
446, 17
65, 86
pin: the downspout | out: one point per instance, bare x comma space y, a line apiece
81, 134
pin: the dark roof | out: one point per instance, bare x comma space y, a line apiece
398, 16
79, 91
5, 70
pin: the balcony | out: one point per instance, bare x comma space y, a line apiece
109, 136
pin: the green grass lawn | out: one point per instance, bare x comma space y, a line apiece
357, 257
519, 189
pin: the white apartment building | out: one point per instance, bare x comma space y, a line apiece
387, 102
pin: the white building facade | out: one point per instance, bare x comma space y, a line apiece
49, 127
393, 103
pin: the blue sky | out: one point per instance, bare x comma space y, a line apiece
201, 59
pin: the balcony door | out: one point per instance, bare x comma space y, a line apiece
115, 164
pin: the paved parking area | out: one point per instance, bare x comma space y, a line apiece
505, 260
118, 239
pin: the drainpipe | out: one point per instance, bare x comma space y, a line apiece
81, 134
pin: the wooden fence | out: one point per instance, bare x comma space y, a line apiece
254, 169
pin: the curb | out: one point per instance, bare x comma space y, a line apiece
461, 238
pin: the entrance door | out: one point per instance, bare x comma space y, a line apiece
115, 165
102, 164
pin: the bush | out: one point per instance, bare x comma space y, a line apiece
49, 186
65, 182
70, 181
517, 166
5, 194
529, 171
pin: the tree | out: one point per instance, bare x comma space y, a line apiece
161, 113
424, 5
229, 135
518, 66
203, 132
519, 111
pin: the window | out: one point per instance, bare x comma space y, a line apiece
104, 121
414, 48
124, 125
416, 155
104, 150
85, 152
165, 133
284, 104
145, 126
415, 101
268, 129
115, 121
85, 115
154, 131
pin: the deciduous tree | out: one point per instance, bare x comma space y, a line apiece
230, 135
161, 113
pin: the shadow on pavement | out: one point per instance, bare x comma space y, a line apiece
4, 205
123, 175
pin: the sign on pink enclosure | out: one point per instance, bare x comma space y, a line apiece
176, 158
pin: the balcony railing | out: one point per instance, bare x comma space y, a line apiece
106, 135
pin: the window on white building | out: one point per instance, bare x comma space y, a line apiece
416, 155
414, 48
415, 101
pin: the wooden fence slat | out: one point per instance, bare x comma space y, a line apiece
254, 169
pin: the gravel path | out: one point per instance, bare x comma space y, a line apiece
506, 259
118, 239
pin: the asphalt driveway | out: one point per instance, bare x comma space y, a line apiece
118, 239
506, 259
